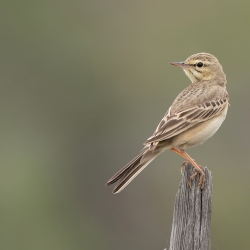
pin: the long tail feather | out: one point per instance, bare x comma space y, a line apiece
120, 173
132, 169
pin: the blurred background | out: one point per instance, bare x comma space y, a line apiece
82, 85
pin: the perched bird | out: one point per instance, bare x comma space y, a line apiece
195, 115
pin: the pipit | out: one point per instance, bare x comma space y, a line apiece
195, 115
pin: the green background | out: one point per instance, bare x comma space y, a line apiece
82, 85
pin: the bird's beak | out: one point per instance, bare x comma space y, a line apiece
180, 64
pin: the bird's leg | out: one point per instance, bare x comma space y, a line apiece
192, 161
177, 151
198, 168
180, 153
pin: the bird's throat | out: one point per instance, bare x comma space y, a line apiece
191, 76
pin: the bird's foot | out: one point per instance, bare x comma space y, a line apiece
183, 165
201, 178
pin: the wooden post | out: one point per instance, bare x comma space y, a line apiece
191, 228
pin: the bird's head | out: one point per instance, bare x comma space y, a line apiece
202, 67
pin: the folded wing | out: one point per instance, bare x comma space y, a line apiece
178, 122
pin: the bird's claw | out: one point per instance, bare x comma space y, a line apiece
201, 178
183, 165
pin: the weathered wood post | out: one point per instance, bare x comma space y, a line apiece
191, 228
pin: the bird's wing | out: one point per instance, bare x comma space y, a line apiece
177, 122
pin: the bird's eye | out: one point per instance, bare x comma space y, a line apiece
199, 64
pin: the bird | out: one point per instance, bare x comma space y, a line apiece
194, 116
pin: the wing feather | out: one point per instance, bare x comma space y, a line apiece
178, 122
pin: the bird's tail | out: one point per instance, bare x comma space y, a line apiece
132, 169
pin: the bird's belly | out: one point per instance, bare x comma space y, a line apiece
200, 133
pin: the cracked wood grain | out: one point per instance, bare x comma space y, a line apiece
191, 227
